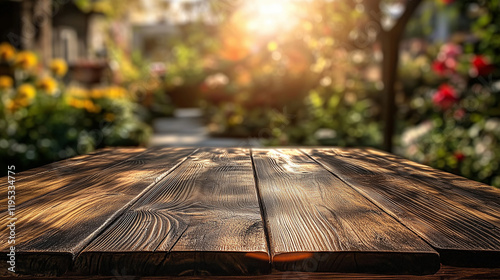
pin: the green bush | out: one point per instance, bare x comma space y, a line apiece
42, 121
452, 119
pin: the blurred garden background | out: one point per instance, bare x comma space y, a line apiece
418, 78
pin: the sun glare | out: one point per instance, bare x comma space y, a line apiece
269, 17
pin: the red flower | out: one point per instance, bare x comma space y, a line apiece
445, 97
480, 66
443, 67
447, 2
439, 67
459, 156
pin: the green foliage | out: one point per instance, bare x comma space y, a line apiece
317, 85
464, 137
184, 66
42, 121
145, 86
279, 87
52, 128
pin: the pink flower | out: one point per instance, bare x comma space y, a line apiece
446, 62
449, 50
480, 66
445, 97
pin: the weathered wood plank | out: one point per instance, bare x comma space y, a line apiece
463, 235
204, 218
475, 197
311, 214
36, 182
53, 228
65, 163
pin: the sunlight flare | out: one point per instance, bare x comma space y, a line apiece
269, 17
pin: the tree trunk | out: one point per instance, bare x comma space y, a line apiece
389, 41
390, 50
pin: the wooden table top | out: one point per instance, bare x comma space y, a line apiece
238, 211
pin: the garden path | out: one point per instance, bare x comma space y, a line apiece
187, 129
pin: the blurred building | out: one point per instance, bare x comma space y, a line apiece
56, 29
153, 22
51, 28
62, 29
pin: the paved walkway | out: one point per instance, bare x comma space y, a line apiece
186, 128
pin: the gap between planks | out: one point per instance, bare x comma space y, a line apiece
348, 249
367, 198
427, 226
208, 182
262, 208
58, 256
84, 243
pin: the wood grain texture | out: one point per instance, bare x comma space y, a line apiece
65, 163
59, 224
204, 218
455, 223
475, 197
309, 210
33, 183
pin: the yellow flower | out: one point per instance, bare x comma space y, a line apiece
91, 107
22, 102
11, 105
73, 102
116, 92
26, 91
48, 85
86, 104
24, 96
26, 60
7, 52
6, 82
96, 93
77, 92
58, 67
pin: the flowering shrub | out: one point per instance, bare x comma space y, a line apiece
7, 52
445, 97
458, 128
43, 121
315, 85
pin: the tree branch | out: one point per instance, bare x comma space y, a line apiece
399, 27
